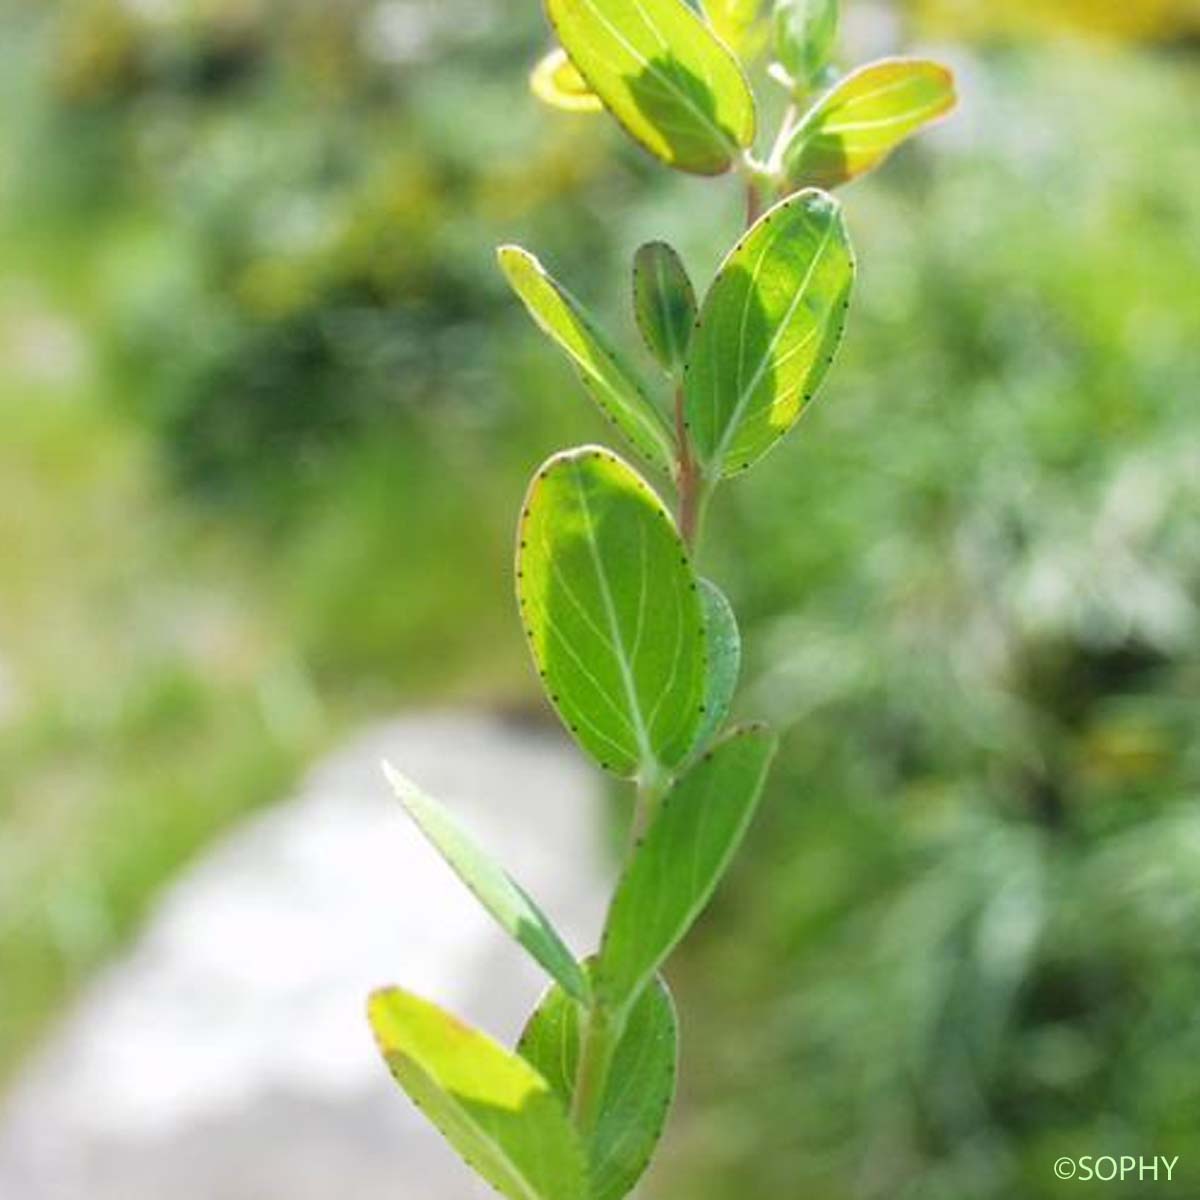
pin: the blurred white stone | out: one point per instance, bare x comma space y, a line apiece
408, 31
227, 1057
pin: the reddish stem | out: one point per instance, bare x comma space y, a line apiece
754, 202
691, 481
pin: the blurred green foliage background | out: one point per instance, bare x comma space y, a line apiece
265, 420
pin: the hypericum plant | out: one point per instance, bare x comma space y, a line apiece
637, 652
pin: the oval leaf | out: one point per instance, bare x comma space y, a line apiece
805, 36
664, 303
768, 330
673, 873
507, 902
556, 82
615, 388
612, 612
724, 660
641, 1081
660, 71
864, 118
490, 1105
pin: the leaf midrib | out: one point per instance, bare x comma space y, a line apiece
615, 379
640, 732
500, 1158
746, 393
730, 144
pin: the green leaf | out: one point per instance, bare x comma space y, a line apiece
664, 303
640, 1088
805, 37
555, 82
490, 1105
739, 24
516, 913
675, 870
612, 612
665, 77
768, 330
615, 388
724, 660
864, 118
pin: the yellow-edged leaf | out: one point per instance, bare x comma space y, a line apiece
767, 333
659, 69
856, 125
612, 611
491, 1105
556, 82
607, 378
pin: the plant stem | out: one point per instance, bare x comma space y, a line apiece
754, 201
649, 792
786, 129
693, 490
595, 1060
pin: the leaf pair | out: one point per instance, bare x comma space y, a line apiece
667, 76
505, 1113
750, 361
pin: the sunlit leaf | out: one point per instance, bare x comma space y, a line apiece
612, 611
664, 303
805, 38
664, 76
614, 386
740, 24
507, 902
490, 1105
724, 659
556, 82
768, 330
675, 870
864, 118
641, 1081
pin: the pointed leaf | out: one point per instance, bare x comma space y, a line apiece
490, 1105
724, 660
864, 118
768, 330
507, 902
676, 869
615, 388
612, 612
805, 37
641, 1082
556, 82
664, 303
664, 76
